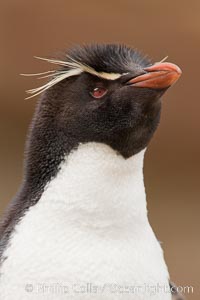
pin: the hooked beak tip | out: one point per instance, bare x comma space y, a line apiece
157, 76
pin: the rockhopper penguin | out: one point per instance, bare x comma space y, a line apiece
78, 227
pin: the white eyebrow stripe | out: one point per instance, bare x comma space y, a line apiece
38, 74
52, 82
74, 68
108, 76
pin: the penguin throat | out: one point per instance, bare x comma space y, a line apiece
96, 187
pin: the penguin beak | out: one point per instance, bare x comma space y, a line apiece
158, 76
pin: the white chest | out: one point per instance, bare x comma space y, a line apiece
88, 237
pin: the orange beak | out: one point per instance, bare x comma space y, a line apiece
158, 76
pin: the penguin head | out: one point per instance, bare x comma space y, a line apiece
108, 94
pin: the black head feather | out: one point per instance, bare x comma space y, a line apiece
67, 114
111, 58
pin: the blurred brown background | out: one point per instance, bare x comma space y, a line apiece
158, 28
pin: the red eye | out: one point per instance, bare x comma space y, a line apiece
99, 92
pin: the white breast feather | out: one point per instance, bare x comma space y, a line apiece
89, 229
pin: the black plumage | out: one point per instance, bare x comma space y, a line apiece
67, 114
